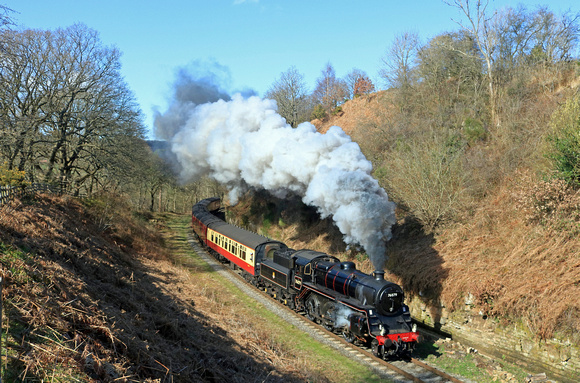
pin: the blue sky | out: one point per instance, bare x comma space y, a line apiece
249, 42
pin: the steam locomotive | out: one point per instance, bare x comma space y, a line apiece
364, 308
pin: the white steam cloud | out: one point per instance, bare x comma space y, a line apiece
245, 143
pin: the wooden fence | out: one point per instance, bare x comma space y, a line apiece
8, 193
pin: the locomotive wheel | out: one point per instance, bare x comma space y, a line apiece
347, 335
328, 326
310, 310
377, 350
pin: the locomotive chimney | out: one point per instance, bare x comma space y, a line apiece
379, 275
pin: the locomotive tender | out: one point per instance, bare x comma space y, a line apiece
363, 308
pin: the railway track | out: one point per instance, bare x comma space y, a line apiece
400, 371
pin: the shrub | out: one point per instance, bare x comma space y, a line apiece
552, 203
565, 141
473, 130
11, 177
427, 176
319, 112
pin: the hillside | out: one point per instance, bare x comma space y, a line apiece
509, 257
357, 114
515, 253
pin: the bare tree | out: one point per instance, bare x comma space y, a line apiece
23, 93
399, 60
91, 104
526, 37
515, 37
64, 104
290, 93
330, 91
486, 38
398, 67
5, 23
358, 83
555, 37
5, 19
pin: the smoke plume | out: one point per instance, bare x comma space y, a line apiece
188, 91
244, 143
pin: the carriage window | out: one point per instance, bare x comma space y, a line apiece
307, 269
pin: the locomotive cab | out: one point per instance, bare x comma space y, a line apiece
306, 263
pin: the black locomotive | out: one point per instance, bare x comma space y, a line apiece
364, 308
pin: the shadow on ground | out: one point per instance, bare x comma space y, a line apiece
84, 304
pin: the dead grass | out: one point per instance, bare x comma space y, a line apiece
94, 295
506, 267
516, 269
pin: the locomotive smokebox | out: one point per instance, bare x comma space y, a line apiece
379, 275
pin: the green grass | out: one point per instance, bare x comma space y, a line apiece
180, 227
463, 365
12, 260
